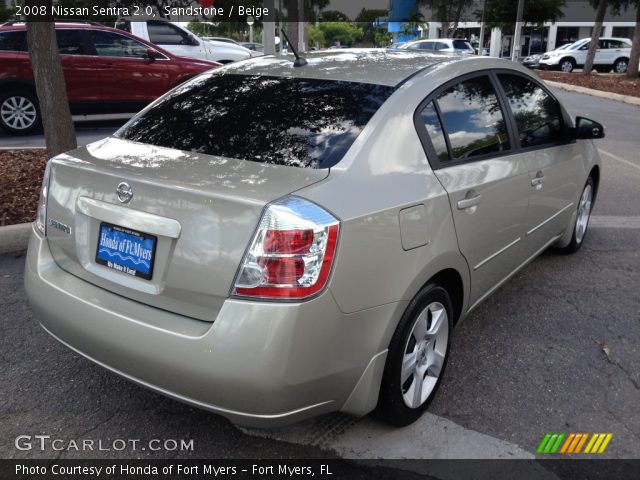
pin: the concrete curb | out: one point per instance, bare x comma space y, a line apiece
14, 238
596, 93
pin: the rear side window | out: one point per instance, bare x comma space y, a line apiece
13, 41
284, 121
441, 46
163, 33
432, 123
537, 114
474, 121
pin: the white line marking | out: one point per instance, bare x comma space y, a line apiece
615, 157
611, 221
430, 437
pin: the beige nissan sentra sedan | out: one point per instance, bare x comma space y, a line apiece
272, 242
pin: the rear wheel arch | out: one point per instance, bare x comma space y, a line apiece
451, 281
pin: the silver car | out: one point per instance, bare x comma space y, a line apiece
272, 242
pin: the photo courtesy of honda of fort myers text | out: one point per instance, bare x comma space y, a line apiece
332, 239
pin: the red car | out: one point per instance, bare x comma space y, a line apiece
106, 71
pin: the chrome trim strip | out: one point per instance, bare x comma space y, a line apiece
502, 250
515, 270
549, 219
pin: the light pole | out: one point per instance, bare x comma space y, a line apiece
250, 22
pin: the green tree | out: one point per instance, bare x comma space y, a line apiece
343, 33
502, 13
201, 29
448, 12
365, 20
334, 16
315, 35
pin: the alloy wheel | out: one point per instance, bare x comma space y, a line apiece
424, 355
584, 211
18, 112
567, 66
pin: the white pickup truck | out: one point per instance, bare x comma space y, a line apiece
182, 42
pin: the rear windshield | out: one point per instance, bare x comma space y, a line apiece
283, 121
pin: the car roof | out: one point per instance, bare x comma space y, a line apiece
376, 66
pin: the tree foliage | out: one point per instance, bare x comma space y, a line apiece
448, 12
334, 16
333, 33
365, 20
502, 13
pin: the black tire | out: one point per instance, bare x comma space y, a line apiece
621, 65
577, 240
30, 119
567, 65
392, 408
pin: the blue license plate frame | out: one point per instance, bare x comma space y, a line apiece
127, 251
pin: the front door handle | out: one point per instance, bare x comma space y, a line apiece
469, 202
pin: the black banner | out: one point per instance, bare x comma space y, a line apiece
377, 12
330, 469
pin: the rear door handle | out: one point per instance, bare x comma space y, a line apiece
536, 181
469, 202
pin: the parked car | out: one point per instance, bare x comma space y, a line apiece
257, 49
272, 242
106, 71
612, 53
395, 46
441, 45
180, 41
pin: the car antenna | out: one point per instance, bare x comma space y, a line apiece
299, 61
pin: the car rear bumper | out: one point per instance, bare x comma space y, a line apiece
259, 364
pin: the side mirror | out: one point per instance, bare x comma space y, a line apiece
587, 128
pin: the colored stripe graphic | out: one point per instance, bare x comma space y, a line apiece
573, 443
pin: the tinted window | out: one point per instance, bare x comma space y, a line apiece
426, 46
162, 33
283, 121
70, 42
473, 118
441, 46
461, 45
537, 114
108, 44
14, 41
617, 44
434, 129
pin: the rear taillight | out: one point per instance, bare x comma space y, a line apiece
41, 215
291, 253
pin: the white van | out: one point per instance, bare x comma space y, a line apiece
182, 42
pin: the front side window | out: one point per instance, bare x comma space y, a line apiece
296, 122
13, 41
473, 118
537, 114
108, 44
70, 42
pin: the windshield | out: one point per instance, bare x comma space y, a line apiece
283, 121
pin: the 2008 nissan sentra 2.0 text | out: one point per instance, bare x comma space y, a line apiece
303, 240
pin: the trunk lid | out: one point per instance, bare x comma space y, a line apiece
201, 209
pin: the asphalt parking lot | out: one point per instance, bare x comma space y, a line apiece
557, 349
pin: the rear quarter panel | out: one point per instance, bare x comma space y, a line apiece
384, 172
